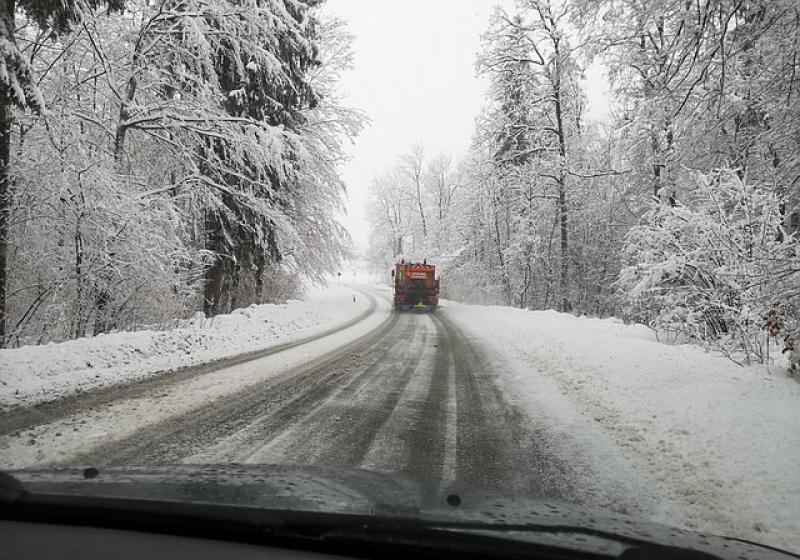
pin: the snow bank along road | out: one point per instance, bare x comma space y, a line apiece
393, 392
669, 433
32, 375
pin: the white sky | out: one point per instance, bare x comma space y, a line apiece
415, 77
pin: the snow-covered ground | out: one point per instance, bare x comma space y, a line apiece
34, 374
671, 433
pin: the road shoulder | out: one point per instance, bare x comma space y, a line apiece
667, 433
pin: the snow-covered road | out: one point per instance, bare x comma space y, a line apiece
538, 403
395, 392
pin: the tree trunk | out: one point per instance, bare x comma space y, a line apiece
421, 211
6, 121
213, 288
124, 115
548, 287
564, 276
101, 311
77, 329
7, 16
499, 243
261, 268
562, 187
234, 282
214, 275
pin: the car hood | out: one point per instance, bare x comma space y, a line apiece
360, 492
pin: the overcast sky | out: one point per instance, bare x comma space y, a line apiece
415, 77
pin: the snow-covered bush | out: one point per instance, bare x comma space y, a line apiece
717, 268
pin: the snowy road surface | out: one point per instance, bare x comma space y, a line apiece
545, 404
405, 393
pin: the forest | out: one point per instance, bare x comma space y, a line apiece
682, 212
160, 158
164, 157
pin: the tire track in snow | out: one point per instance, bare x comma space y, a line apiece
341, 431
263, 436
497, 448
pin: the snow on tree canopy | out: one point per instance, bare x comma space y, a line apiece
711, 268
193, 148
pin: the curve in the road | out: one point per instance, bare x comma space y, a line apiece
283, 396
21, 418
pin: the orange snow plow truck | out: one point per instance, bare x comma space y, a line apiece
416, 287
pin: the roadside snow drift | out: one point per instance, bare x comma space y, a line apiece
670, 432
34, 374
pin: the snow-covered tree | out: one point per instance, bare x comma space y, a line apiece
197, 153
321, 241
699, 86
411, 169
390, 217
441, 186
534, 119
715, 267
18, 90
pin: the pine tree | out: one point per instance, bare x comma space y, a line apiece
264, 79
